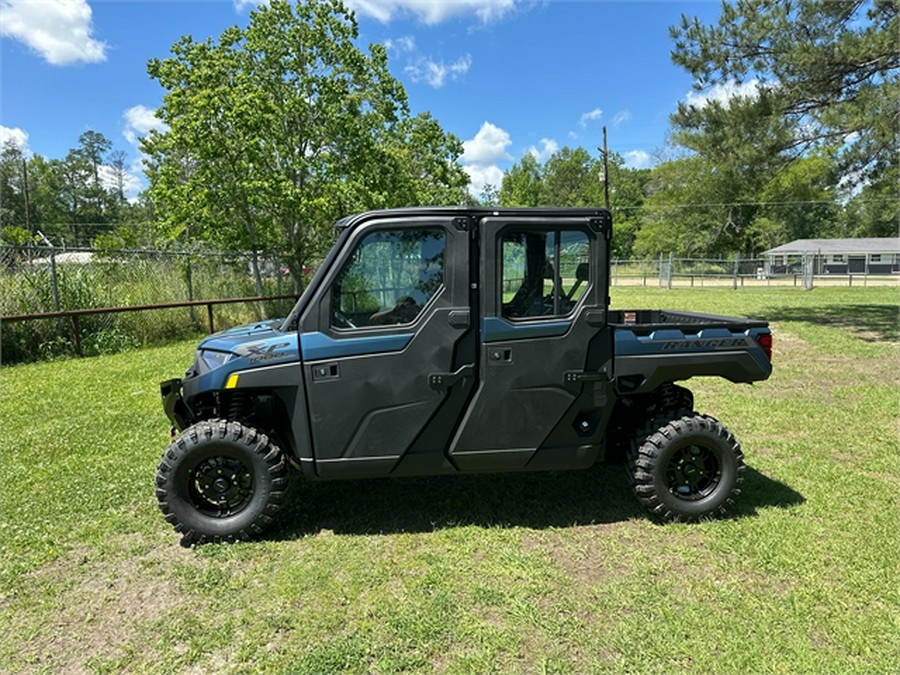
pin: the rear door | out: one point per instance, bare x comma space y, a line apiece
389, 348
544, 347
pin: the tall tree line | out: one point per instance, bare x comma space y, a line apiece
70, 201
276, 130
806, 148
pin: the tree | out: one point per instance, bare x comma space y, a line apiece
628, 190
797, 203
414, 163
119, 174
827, 75
692, 210
874, 211
523, 183
92, 148
14, 207
49, 208
278, 129
572, 178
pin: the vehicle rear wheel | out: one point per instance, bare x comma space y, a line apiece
685, 467
220, 481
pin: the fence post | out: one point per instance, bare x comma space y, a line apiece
737, 269
671, 269
808, 272
54, 289
76, 335
209, 315
189, 276
53, 280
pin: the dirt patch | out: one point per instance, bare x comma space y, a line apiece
594, 554
98, 607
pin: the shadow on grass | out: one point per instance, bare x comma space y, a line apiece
873, 323
535, 500
761, 492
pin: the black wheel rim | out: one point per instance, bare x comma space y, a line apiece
220, 487
693, 472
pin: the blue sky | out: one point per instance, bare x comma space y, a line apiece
506, 76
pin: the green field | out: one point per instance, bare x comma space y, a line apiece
557, 572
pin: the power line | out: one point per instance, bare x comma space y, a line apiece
759, 203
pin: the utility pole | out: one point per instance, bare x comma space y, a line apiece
604, 153
25, 190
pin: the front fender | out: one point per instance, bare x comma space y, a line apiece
173, 404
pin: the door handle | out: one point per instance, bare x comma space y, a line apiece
325, 371
446, 380
459, 318
499, 355
596, 318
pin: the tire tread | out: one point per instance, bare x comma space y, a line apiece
255, 442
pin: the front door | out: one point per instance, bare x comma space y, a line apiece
389, 348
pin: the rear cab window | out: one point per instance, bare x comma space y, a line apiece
544, 272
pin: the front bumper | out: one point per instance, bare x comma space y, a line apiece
173, 404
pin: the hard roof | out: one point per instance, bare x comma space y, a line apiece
475, 212
831, 246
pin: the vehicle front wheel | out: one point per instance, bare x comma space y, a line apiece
220, 481
686, 466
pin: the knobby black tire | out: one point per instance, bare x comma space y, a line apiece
653, 464
238, 448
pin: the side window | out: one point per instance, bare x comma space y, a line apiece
543, 273
390, 277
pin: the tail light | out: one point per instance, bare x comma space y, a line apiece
765, 342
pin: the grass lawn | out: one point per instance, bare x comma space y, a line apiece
558, 572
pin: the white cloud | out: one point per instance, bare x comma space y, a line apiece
431, 12
591, 116
402, 45
15, 136
481, 155
488, 146
723, 93
638, 159
547, 149
59, 30
482, 176
622, 117
139, 121
436, 74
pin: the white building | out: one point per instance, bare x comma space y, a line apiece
837, 256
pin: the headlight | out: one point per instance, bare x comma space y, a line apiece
213, 360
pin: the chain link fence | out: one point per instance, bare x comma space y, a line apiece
39, 279
670, 272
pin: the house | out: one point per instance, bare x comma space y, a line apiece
837, 256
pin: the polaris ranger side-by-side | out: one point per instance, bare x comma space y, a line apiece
454, 340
